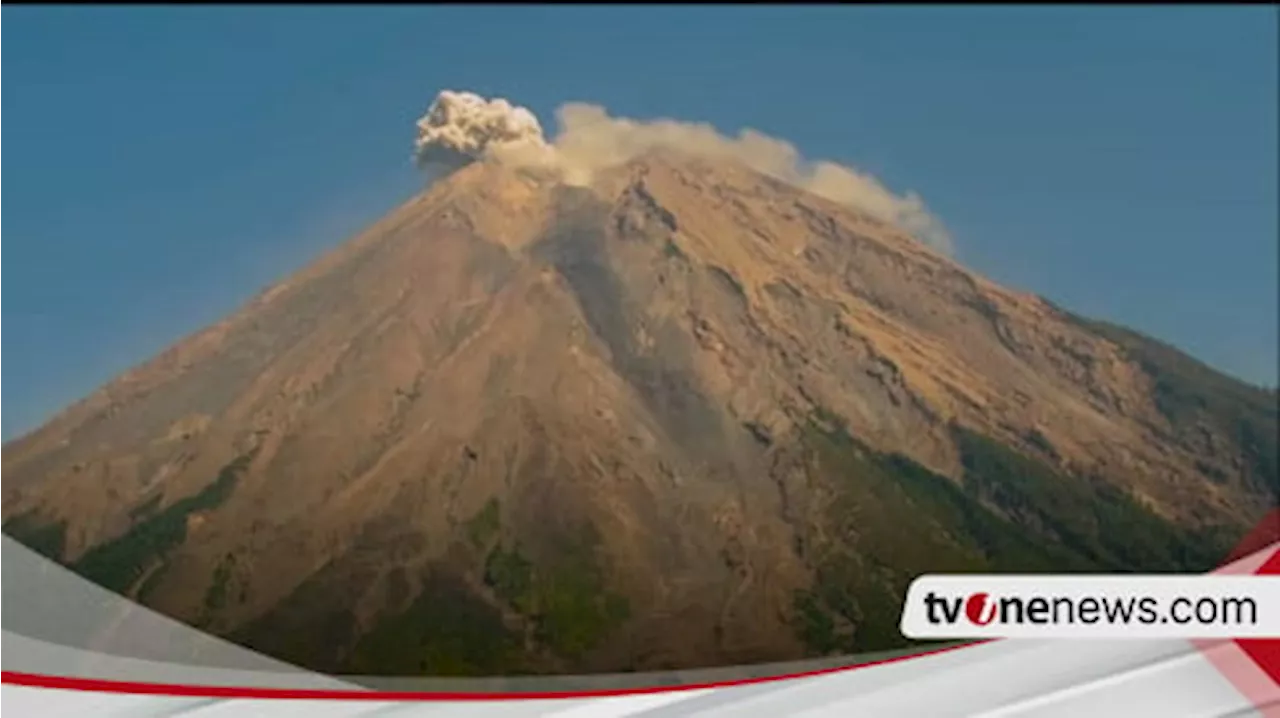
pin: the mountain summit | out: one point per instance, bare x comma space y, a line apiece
685, 415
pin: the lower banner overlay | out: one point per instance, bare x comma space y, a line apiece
142, 663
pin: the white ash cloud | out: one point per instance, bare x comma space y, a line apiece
462, 127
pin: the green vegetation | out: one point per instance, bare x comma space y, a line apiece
315, 624
1003, 545
892, 519
566, 598
510, 575
951, 532
447, 631
119, 563
216, 595
815, 626
47, 538
1093, 520
871, 553
484, 526
574, 614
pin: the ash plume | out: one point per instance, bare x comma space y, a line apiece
461, 127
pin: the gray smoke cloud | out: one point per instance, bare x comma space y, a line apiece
462, 127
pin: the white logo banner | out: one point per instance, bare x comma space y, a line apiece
1092, 606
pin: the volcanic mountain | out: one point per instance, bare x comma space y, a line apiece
685, 416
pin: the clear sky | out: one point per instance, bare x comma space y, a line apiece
166, 163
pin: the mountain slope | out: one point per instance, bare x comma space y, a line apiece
687, 416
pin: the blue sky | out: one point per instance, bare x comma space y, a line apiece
166, 163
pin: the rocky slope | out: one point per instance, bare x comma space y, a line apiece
688, 416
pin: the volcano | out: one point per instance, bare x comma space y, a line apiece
687, 415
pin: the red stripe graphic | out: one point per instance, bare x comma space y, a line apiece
1267, 532
1253, 665
1266, 651
188, 691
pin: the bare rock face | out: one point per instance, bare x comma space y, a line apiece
687, 416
